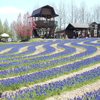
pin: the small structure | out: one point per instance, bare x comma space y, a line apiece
73, 28
61, 34
4, 37
45, 20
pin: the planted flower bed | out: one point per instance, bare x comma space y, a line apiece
19, 70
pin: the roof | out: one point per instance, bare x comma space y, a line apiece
77, 25
4, 35
37, 12
92, 23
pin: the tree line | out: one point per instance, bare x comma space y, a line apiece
70, 12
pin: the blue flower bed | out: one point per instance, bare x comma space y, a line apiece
44, 73
94, 44
31, 49
90, 49
47, 89
50, 49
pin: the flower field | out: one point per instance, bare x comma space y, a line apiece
49, 70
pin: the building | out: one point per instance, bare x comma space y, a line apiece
93, 28
72, 30
45, 20
84, 30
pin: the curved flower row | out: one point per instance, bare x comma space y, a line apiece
67, 50
57, 41
89, 43
6, 46
31, 48
90, 49
54, 87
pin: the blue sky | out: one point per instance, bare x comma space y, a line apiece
9, 9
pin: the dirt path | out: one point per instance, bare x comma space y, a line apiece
58, 50
22, 49
4, 51
94, 42
38, 50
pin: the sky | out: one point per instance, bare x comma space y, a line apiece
9, 9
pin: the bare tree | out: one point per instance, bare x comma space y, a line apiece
82, 12
96, 13
61, 11
76, 15
72, 11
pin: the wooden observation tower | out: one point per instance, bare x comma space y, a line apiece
45, 20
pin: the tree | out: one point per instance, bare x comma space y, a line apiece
6, 26
72, 11
82, 12
11, 31
96, 13
1, 27
24, 26
62, 12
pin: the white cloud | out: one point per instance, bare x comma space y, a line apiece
10, 9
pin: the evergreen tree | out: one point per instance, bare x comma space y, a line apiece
6, 27
11, 31
1, 27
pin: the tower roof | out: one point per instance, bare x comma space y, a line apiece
38, 12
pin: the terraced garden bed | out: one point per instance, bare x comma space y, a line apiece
46, 70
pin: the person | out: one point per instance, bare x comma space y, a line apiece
79, 33
89, 35
99, 33
83, 34
74, 36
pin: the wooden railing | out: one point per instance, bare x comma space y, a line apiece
46, 23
